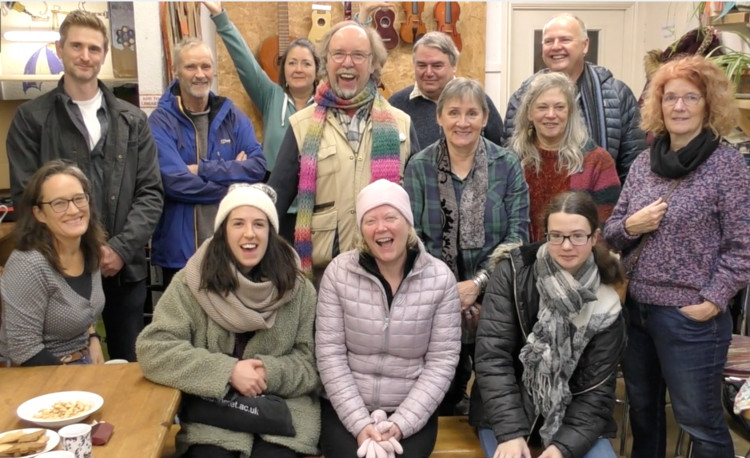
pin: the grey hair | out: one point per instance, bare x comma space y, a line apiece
377, 48
460, 87
188, 43
570, 153
581, 25
440, 41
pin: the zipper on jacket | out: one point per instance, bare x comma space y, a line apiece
515, 297
594, 386
533, 425
197, 160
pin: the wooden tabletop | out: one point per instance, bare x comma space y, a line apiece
141, 411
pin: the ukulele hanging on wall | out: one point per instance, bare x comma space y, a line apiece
321, 23
384, 19
446, 14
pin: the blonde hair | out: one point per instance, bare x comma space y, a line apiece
87, 19
570, 153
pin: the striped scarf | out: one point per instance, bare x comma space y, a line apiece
385, 157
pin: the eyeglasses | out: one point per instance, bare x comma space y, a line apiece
358, 57
61, 205
690, 99
577, 239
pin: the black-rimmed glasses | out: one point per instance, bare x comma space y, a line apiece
577, 239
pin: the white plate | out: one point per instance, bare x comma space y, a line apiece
52, 439
28, 409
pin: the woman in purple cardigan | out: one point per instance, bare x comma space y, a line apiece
696, 257
551, 139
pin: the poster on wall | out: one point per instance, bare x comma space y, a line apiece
123, 40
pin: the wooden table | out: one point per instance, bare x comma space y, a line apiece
141, 411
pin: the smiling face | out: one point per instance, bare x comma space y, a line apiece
683, 122
386, 233
82, 53
564, 47
432, 70
549, 114
347, 78
570, 257
195, 73
299, 69
247, 235
71, 224
462, 120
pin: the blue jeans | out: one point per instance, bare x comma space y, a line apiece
666, 350
601, 449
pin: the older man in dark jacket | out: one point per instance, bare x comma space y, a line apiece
609, 107
109, 139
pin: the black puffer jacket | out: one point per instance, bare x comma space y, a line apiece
509, 312
625, 140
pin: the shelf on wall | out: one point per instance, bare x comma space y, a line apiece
738, 22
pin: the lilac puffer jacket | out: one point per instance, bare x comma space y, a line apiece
400, 360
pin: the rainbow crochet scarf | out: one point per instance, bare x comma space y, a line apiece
385, 156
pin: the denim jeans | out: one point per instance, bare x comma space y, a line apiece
601, 449
666, 350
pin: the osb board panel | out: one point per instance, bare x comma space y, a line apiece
258, 21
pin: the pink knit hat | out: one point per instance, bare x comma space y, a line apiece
383, 192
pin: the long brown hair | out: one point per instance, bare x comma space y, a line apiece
581, 203
278, 265
30, 234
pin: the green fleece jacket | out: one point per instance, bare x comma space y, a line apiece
185, 349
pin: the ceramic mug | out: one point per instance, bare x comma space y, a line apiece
76, 438
3, 212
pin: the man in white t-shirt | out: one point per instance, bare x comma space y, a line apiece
109, 139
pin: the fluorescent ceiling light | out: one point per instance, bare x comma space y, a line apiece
32, 36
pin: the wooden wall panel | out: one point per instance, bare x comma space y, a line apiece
258, 21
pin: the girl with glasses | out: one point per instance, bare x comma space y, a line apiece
549, 340
51, 285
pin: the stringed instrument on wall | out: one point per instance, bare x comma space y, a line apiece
413, 27
272, 48
384, 19
446, 14
321, 23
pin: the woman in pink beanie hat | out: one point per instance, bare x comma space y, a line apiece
387, 335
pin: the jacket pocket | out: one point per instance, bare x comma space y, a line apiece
323, 231
328, 161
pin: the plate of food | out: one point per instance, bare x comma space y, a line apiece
27, 442
59, 409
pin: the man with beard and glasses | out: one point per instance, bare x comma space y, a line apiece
350, 137
82, 121
205, 144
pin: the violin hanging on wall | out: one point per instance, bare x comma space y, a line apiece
412, 28
446, 14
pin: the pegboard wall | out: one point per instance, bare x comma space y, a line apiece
258, 21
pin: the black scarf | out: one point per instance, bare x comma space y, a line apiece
677, 164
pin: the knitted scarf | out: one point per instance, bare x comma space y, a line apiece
251, 307
385, 157
569, 316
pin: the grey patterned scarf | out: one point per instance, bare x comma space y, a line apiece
569, 316
469, 232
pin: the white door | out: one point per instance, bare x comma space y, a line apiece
607, 23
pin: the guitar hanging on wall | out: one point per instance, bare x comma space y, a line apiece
272, 48
383, 19
446, 14
321, 23
412, 28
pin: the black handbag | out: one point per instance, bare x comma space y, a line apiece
265, 414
